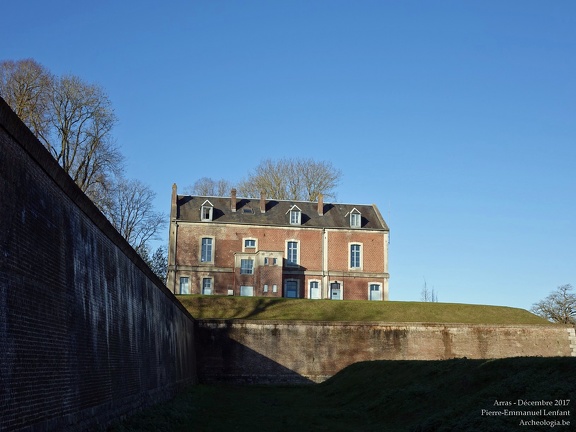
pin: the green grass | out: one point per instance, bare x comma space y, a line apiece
388, 396
262, 308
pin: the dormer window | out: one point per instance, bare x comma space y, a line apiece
295, 215
355, 219
207, 211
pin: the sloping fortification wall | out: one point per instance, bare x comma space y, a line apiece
87, 332
298, 352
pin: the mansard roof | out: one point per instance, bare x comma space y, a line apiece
248, 211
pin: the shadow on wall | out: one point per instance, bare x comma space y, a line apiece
278, 351
221, 359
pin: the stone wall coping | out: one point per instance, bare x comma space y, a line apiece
288, 323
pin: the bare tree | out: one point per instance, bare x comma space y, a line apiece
26, 85
130, 208
83, 120
209, 187
318, 178
428, 295
292, 179
74, 120
559, 306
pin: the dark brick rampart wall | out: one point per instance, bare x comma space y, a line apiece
87, 332
244, 351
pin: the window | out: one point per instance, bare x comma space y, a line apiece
206, 211
292, 253
295, 215
274, 288
375, 292
206, 253
184, 285
291, 289
249, 243
265, 288
207, 286
246, 266
270, 261
314, 290
246, 291
355, 219
355, 250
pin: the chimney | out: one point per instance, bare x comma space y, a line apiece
233, 200
174, 207
262, 202
320, 205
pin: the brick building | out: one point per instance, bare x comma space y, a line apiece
275, 248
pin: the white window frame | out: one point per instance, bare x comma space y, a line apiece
252, 241
360, 256
290, 262
355, 219
295, 217
187, 280
243, 270
212, 243
206, 211
265, 289
203, 286
381, 290
316, 281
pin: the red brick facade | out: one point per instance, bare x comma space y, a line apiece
249, 247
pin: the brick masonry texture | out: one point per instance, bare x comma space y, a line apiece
228, 239
87, 332
244, 351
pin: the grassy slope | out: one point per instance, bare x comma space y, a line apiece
377, 396
260, 308
370, 396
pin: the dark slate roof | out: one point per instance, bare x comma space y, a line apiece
248, 212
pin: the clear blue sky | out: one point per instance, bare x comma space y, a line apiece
457, 118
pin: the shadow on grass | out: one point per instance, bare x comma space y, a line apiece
225, 307
409, 396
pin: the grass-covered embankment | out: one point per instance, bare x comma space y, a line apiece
445, 395
263, 308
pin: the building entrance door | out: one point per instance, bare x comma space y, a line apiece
335, 291
375, 292
314, 290
291, 289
